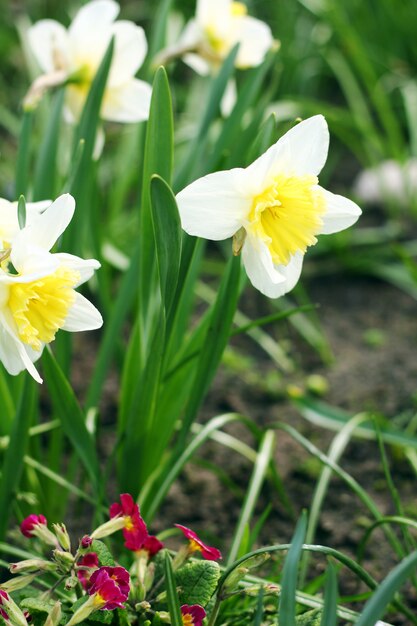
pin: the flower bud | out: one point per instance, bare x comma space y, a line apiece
36, 526
65, 560
10, 611
32, 565
54, 616
85, 542
17, 583
71, 583
62, 536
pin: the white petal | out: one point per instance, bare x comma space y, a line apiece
291, 273
271, 280
259, 266
197, 63
302, 150
341, 213
85, 267
127, 103
14, 355
210, 12
191, 36
213, 206
49, 42
34, 208
90, 34
255, 39
82, 316
130, 48
94, 17
229, 98
45, 229
32, 262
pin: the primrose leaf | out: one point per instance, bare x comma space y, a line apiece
197, 582
36, 605
104, 556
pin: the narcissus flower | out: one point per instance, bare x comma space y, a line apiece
274, 209
192, 614
195, 544
134, 528
37, 289
217, 27
72, 56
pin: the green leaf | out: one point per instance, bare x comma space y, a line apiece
376, 607
310, 618
68, 411
211, 111
104, 555
168, 238
197, 581
14, 455
157, 161
36, 605
83, 148
23, 155
216, 338
45, 168
21, 212
172, 595
329, 617
287, 600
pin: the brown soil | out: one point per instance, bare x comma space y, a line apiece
371, 328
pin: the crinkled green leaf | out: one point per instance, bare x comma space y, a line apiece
197, 581
104, 556
311, 618
36, 605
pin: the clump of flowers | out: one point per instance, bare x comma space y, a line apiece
72, 57
88, 580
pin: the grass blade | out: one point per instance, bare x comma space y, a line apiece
172, 595
13, 458
287, 600
260, 469
72, 419
329, 617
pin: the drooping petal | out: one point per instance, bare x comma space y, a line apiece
259, 266
13, 354
129, 102
291, 273
45, 229
130, 48
340, 213
84, 267
302, 150
197, 63
49, 43
213, 207
255, 39
82, 315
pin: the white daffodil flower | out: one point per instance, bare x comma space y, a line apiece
37, 289
217, 27
72, 56
274, 209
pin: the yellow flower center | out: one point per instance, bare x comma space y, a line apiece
194, 546
288, 215
187, 619
129, 525
40, 308
98, 599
